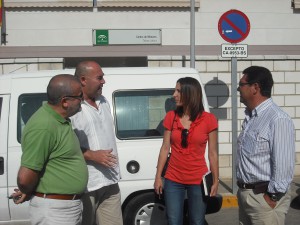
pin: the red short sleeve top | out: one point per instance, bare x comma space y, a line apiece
188, 165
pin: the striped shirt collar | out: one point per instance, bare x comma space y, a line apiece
258, 109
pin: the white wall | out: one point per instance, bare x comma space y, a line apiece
215, 72
273, 22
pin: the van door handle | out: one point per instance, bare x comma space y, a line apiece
1, 165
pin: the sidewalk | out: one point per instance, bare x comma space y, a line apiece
230, 200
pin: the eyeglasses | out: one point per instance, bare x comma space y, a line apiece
184, 136
79, 97
243, 84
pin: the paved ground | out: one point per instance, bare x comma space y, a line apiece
228, 215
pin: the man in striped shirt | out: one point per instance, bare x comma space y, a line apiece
266, 152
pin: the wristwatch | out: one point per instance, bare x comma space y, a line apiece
275, 196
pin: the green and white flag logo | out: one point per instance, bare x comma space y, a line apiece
102, 37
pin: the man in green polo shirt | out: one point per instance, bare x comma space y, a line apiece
53, 172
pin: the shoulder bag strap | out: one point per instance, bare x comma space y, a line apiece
172, 128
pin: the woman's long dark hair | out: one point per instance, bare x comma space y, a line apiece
191, 97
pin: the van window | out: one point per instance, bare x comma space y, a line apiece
140, 113
27, 105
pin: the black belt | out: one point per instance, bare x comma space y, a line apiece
245, 185
259, 187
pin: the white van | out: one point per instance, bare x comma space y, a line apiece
139, 99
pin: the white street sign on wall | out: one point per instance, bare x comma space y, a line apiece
127, 37
234, 51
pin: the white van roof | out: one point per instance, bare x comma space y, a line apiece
159, 77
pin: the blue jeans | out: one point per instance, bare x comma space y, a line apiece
174, 198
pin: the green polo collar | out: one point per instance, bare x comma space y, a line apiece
52, 112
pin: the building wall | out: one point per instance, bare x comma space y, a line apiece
216, 77
273, 42
273, 22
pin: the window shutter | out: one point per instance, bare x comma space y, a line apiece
48, 3
146, 3
296, 4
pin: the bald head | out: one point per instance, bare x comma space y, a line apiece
84, 68
59, 86
91, 77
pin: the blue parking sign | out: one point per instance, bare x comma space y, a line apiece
234, 26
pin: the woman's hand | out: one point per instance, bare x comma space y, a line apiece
214, 189
158, 185
213, 160
162, 159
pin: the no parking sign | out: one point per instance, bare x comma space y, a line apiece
234, 26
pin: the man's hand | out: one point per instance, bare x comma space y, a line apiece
19, 197
270, 202
104, 157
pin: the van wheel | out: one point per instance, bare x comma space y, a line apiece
145, 209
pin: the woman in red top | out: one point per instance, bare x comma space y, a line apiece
187, 131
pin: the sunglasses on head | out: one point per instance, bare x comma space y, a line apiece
184, 136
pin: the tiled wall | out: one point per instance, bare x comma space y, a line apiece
216, 77
29, 64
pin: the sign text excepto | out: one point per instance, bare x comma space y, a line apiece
234, 51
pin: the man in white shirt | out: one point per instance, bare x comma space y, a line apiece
95, 130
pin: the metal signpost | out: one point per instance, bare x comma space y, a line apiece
234, 26
192, 33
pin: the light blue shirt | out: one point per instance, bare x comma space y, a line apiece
266, 147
